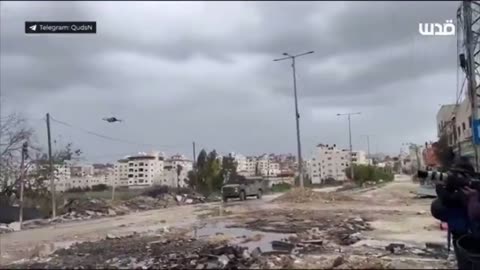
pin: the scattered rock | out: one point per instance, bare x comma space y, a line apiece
111, 236
303, 195
256, 252
421, 212
5, 229
246, 254
395, 247
431, 245
15, 226
281, 245
223, 260
338, 261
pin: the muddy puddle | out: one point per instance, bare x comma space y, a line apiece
239, 236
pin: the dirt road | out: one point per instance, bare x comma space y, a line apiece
41, 241
360, 226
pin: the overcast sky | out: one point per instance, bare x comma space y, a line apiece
183, 71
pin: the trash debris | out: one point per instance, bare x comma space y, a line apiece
87, 208
281, 245
134, 253
395, 247
299, 195
111, 236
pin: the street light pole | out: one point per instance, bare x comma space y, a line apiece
350, 140
297, 115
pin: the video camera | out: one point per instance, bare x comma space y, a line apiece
454, 178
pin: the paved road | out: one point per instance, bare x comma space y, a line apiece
17, 245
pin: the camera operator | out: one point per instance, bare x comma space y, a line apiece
473, 203
460, 208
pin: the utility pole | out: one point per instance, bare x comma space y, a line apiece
470, 45
22, 180
52, 175
368, 146
350, 140
194, 164
297, 114
113, 189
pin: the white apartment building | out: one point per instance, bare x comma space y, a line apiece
328, 162
62, 176
78, 170
175, 172
250, 166
241, 162
359, 158
121, 172
267, 167
144, 168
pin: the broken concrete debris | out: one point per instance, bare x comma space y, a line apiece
132, 252
299, 195
84, 209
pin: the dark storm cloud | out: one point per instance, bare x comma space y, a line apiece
205, 70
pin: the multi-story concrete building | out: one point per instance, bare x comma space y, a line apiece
121, 172
79, 170
62, 176
328, 162
455, 123
144, 168
241, 162
175, 172
250, 166
359, 158
267, 166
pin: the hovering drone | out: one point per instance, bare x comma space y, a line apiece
112, 119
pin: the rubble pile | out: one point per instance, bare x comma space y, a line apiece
360, 262
87, 208
305, 195
136, 252
339, 228
11, 227
148, 203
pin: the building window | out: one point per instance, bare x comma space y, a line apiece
140, 164
329, 158
463, 126
470, 121
458, 129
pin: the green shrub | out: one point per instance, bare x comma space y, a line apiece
366, 173
282, 187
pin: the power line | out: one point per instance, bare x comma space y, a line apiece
110, 138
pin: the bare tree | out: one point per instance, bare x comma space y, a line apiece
13, 133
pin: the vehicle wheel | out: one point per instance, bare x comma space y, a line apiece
259, 194
225, 199
242, 196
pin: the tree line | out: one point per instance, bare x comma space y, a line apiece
210, 172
